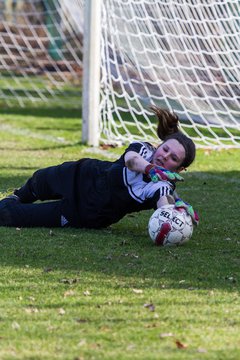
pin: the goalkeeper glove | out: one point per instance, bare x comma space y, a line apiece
179, 203
158, 173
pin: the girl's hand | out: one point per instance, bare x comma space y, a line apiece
158, 173
179, 203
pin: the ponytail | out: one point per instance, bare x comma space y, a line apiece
168, 123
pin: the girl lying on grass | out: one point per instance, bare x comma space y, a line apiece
93, 193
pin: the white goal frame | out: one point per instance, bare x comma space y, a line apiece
180, 55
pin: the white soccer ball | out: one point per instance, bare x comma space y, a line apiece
170, 226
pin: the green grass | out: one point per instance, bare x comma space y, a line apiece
38, 91
111, 294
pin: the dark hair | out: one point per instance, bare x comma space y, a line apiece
168, 128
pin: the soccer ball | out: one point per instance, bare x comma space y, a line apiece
170, 226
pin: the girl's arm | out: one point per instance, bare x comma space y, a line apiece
165, 200
135, 162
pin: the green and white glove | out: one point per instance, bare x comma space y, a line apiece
158, 173
179, 203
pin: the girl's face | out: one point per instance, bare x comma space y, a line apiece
170, 155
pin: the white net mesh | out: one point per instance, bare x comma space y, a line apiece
177, 54
181, 55
41, 51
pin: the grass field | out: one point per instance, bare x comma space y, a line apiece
111, 294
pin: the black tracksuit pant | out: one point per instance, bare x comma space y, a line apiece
52, 183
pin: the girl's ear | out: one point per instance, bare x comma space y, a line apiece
182, 168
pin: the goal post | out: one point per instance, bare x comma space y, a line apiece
91, 72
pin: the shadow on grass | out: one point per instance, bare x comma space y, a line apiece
53, 146
210, 260
53, 112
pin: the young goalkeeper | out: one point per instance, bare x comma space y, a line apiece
93, 193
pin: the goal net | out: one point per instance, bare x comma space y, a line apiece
180, 55
40, 52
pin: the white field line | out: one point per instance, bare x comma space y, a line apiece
105, 153
28, 133
54, 139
